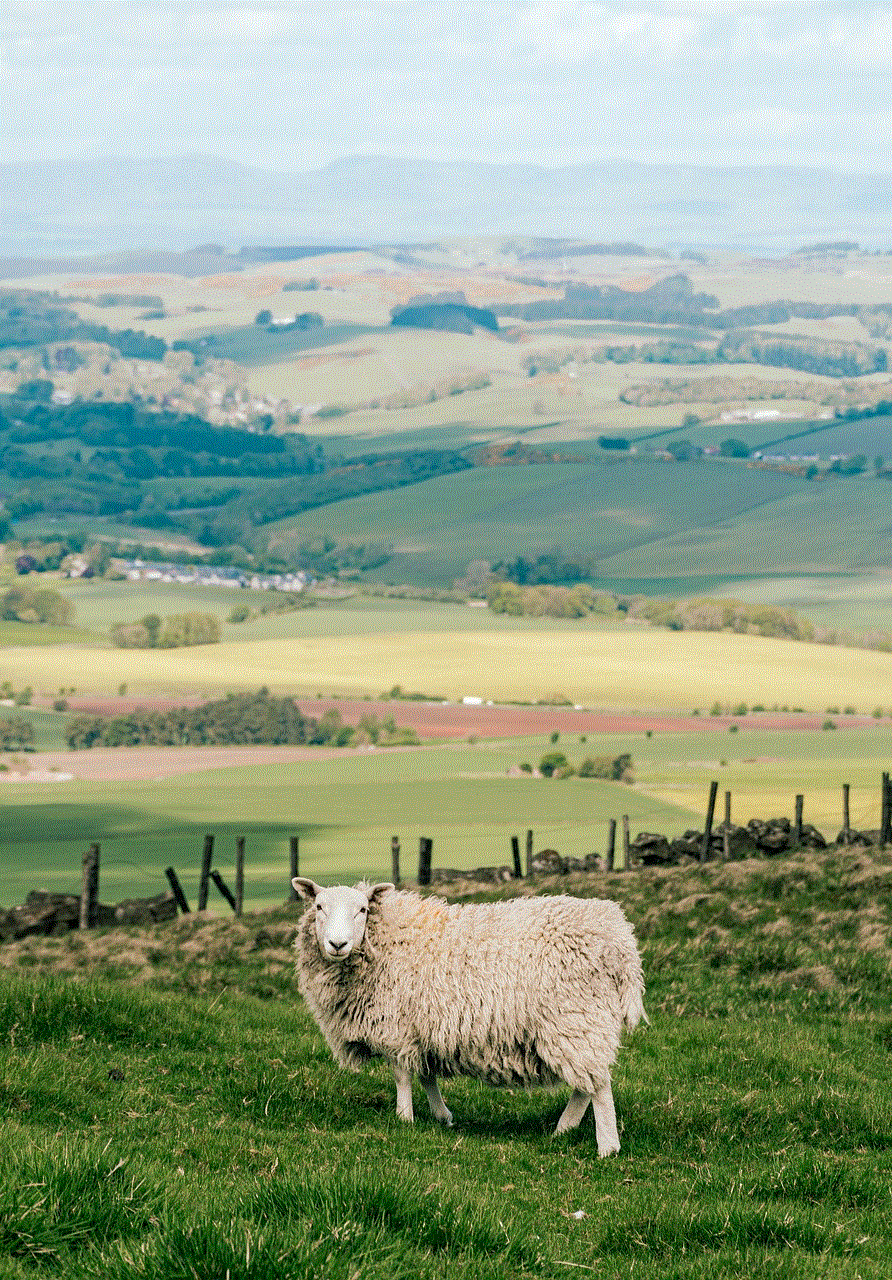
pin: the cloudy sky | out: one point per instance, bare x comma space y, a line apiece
294, 84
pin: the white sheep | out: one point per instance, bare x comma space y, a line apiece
525, 992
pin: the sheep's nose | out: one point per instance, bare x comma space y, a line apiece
336, 946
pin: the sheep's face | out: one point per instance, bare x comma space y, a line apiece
341, 914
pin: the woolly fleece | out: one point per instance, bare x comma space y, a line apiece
527, 992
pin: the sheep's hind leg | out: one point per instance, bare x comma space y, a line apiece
403, 1093
573, 1112
605, 1121
439, 1110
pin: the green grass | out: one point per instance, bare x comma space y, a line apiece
171, 1111
346, 810
36, 633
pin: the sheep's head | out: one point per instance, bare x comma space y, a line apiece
341, 914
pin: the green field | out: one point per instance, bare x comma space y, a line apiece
638, 518
346, 810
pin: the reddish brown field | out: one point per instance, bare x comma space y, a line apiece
452, 720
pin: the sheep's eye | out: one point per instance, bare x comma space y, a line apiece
363, 911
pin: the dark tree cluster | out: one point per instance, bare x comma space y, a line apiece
32, 319
238, 719
448, 312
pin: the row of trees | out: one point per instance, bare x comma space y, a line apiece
23, 603
548, 601
809, 355
671, 300
676, 615
178, 631
554, 764
238, 719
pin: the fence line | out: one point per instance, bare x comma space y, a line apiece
703, 848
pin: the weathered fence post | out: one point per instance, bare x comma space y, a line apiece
611, 845
293, 867
205, 872
90, 887
846, 823
177, 890
395, 860
726, 844
710, 814
727, 808
425, 849
515, 857
529, 854
223, 887
797, 831
886, 812
627, 846
239, 874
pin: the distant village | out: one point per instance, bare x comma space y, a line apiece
203, 575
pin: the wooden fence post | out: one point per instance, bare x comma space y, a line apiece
225, 891
797, 830
89, 887
425, 850
529, 854
293, 867
177, 890
627, 847
239, 874
395, 860
886, 810
846, 823
205, 872
710, 814
727, 808
515, 857
611, 845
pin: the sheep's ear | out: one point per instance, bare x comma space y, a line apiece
306, 888
377, 891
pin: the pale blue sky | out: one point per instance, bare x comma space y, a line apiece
298, 83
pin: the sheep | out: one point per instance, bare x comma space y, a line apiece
532, 991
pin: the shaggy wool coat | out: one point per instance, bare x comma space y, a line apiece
530, 991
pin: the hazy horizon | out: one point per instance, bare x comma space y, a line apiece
293, 85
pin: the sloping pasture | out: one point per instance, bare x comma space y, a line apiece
639, 518
172, 1111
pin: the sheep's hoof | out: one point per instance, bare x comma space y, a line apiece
445, 1119
610, 1150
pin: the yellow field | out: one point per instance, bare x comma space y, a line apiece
615, 668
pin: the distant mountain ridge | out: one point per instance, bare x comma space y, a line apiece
70, 208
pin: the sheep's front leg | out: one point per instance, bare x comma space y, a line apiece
572, 1114
605, 1121
439, 1110
403, 1093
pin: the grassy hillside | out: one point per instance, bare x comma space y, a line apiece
172, 1111
640, 519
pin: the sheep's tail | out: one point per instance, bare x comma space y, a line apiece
631, 997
